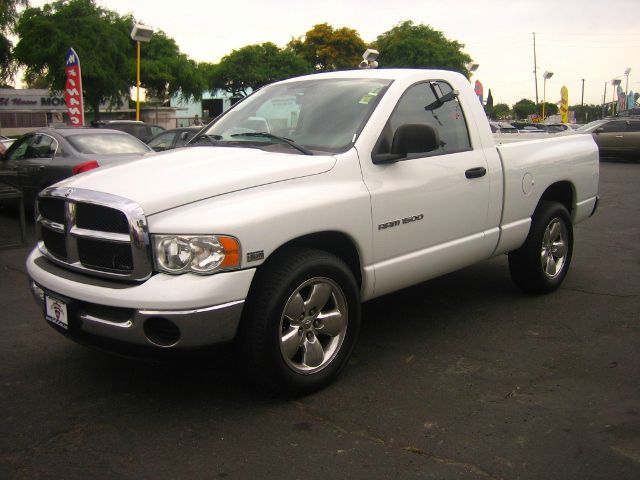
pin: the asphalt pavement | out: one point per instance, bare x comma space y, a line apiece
462, 377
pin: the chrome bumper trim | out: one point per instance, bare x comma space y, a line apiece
198, 327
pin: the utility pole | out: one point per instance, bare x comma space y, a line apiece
582, 100
535, 66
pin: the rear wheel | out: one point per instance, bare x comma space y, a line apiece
541, 264
301, 321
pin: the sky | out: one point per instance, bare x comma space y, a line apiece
594, 40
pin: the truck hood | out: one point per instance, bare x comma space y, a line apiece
177, 177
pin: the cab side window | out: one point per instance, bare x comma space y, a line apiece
42, 146
447, 119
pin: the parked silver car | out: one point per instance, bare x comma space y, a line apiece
46, 156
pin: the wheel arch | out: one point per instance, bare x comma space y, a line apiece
337, 243
562, 192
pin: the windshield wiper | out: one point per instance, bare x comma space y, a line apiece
286, 140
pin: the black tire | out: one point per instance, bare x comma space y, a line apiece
533, 270
286, 279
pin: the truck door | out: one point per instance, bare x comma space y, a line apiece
429, 210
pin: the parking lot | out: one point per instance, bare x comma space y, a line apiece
462, 377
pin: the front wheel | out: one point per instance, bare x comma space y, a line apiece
542, 262
300, 322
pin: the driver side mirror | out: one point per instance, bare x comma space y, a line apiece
408, 139
599, 130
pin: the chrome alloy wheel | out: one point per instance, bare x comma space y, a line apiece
313, 325
554, 248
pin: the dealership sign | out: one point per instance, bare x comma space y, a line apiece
36, 99
33, 99
73, 89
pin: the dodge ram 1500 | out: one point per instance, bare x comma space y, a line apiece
307, 198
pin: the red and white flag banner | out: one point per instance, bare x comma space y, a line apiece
73, 89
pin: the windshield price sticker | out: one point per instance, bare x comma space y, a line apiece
56, 312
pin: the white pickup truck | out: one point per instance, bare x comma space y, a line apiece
285, 213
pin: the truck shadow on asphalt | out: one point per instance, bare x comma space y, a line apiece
393, 327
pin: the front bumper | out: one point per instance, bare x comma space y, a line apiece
167, 312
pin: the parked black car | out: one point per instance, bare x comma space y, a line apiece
44, 157
140, 130
174, 138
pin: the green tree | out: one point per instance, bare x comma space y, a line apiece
525, 107
166, 72
419, 46
252, 67
329, 49
8, 17
586, 113
501, 111
488, 106
101, 38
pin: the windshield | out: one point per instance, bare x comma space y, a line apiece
589, 127
106, 143
321, 115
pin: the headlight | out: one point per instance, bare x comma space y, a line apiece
203, 254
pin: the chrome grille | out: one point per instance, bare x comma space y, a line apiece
93, 232
103, 219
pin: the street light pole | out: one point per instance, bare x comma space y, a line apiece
138, 82
626, 88
604, 99
616, 83
535, 66
546, 76
582, 98
140, 33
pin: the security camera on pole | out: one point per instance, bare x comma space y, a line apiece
140, 33
369, 59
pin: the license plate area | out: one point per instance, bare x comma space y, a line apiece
56, 311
